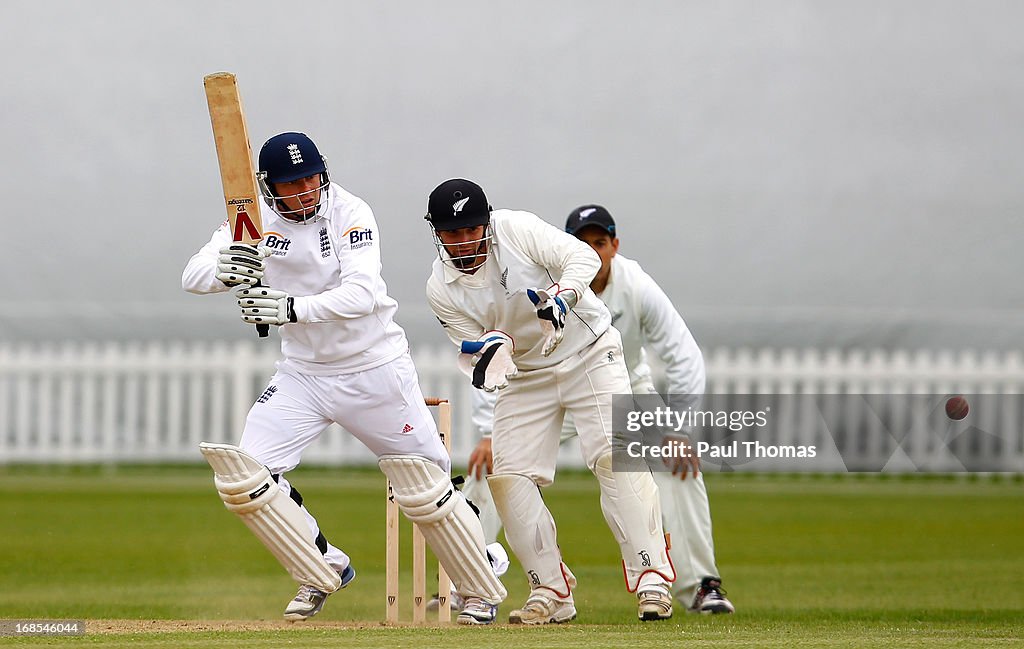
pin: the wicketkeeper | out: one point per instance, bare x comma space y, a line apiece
513, 293
649, 324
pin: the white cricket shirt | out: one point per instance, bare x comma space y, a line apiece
647, 320
525, 253
331, 266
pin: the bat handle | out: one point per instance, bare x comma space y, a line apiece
262, 330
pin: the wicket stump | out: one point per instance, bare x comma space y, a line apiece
419, 548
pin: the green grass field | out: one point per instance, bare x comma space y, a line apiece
150, 558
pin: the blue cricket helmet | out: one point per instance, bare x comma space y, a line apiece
290, 156
287, 157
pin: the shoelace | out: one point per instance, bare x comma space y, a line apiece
307, 592
540, 604
660, 590
716, 589
536, 604
713, 592
657, 600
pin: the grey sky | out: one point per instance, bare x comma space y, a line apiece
841, 172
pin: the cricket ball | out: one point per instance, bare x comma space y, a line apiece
957, 408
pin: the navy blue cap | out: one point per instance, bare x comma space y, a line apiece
587, 215
457, 203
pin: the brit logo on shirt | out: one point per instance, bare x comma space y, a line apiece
358, 237
277, 243
325, 243
269, 392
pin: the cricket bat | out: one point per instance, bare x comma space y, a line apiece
237, 173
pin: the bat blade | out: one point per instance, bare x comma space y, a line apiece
234, 155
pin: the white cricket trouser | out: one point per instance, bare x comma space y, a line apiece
479, 493
686, 516
382, 407
528, 414
528, 419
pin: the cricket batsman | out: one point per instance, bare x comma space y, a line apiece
317, 277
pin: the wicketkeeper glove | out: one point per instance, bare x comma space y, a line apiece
241, 263
551, 310
488, 361
264, 305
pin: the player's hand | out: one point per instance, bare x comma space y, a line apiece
265, 305
488, 361
241, 263
688, 463
551, 310
481, 460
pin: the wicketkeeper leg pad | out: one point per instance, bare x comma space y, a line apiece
629, 501
530, 531
248, 489
425, 493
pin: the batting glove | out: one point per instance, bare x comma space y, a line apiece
263, 305
241, 263
551, 310
488, 361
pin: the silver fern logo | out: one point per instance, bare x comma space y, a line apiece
459, 204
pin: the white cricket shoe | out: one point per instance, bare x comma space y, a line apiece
477, 611
543, 610
654, 605
310, 599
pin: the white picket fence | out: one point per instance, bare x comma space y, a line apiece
154, 402
840, 416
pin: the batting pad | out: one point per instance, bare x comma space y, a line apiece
530, 531
632, 509
247, 489
425, 493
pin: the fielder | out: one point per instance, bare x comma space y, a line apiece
512, 292
646, 320
317, 276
